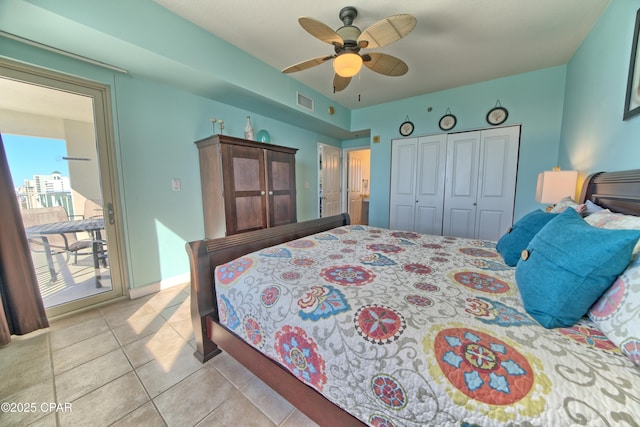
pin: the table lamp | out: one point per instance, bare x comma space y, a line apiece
555, 185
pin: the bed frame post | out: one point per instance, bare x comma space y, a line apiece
203, 303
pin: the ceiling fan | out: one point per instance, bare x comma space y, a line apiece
348, 40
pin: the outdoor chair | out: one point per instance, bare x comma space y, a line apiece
67, 243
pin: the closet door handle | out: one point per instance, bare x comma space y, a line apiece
271, 193
262, 193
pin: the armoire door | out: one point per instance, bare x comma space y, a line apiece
418, 172
281, 187
244, 188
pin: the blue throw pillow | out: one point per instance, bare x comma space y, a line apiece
568, 265
515, 240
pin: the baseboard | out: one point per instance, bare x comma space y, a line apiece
158, 286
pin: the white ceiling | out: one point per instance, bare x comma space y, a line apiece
42, 101
455, 42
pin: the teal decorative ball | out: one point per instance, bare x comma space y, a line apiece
263, 136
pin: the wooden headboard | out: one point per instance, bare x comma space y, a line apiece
616, 191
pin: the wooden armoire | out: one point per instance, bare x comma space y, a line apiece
246, 185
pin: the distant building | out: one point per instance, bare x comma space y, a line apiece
45, 191
53, 183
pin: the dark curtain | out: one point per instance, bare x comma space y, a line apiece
23, 310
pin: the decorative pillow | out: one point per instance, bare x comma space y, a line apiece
617, 312
568, 265
615, 221
623, 222
568, 202
518, 237
601, 218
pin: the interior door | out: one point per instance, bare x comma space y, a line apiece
404, 155
430, 184
460, 200
354, 187
58, 138
498, 167
417, 184
331, 185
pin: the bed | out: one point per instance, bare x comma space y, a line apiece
358, 325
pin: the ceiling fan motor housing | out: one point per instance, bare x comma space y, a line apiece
349, 34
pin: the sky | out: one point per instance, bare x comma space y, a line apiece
28, 156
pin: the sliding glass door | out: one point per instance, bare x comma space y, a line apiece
57, 135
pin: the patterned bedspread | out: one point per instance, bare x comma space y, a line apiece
406, 329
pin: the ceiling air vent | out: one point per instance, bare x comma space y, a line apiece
304, 102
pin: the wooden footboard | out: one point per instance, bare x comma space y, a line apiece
206, 255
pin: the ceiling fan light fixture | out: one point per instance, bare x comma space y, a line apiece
347, 64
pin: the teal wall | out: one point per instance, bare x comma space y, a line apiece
594, 136
534, 101
157, 127
356, 143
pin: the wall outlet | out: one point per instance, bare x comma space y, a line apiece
176, 185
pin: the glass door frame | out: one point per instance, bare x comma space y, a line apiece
104, 129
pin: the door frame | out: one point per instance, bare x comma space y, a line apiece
106, 150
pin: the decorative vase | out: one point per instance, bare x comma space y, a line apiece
248, 130
263, 136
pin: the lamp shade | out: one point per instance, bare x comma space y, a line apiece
347, 64
553, 186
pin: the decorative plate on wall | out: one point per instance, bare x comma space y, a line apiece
447, 122
406, 128
497, 115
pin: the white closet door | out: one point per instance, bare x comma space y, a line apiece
461, 184
404, 153
496, 181
430, 184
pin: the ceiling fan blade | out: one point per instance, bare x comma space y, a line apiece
386, 31
320, 31
340, 83
385, 64
306, 64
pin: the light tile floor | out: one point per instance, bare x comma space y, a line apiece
131, 364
